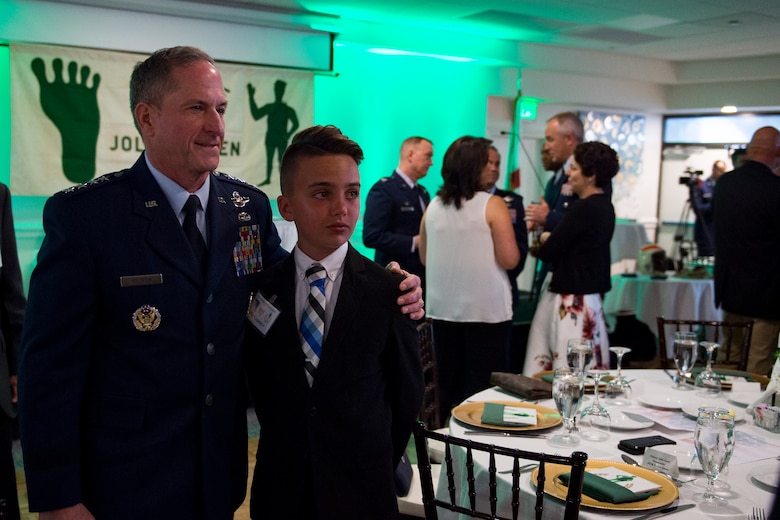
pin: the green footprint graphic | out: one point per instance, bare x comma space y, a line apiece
73, 109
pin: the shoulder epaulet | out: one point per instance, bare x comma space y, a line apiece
103, 180
235, 180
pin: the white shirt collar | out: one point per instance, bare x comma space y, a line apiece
406, 178
333, 263
176, 195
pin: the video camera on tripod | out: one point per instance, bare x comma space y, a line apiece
690, 177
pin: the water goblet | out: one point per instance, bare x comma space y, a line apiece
580, 354
685, 350
595, 420
618, 390
708, 382
714, 441
568, 387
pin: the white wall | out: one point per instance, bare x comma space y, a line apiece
32, 21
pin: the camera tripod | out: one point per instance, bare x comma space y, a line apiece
688, 248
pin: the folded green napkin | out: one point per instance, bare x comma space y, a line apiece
604, 490
493, 413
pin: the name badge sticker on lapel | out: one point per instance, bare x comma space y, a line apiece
262, 313
246, 253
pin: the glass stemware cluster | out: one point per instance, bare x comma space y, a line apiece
594, 420
714, 440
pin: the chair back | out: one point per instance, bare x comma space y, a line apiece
430, 409
480, 506
733, 337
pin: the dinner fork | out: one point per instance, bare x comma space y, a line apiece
758, 514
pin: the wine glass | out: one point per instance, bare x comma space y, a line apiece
708, 382
568, 387
580, 354
618, 390
595, 420
714, 441
685, 351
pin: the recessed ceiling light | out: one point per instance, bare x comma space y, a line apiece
729, 109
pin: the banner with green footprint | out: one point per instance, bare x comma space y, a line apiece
71, 118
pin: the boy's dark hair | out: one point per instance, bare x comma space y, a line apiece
462, 168
312, 142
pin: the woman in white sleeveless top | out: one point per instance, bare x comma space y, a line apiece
467, 243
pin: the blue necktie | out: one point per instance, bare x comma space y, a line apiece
313, 319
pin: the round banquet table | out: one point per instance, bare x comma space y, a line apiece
649, 298
755, 453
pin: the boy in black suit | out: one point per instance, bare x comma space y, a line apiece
336, 402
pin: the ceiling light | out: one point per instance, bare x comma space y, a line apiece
728, 109
398, 52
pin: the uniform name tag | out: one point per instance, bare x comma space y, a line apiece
140, 280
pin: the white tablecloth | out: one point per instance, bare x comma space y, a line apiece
627, 240
677, 298
755, 449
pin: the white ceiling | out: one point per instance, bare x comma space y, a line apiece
673, 30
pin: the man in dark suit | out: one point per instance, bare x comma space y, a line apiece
562, 134
336, 398
395, 205
746, 203
132, 404
514, 202
12, 303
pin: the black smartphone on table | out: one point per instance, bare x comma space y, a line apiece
637, 445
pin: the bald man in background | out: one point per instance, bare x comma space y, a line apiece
746, 204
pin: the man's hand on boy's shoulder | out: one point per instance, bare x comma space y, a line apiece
411, 300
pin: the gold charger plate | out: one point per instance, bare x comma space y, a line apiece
554, 487
471, 413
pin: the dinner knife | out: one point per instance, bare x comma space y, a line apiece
507, 434
665, 511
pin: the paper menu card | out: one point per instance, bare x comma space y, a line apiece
625, 479
503, 415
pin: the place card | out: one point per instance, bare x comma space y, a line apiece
625, 479
660, 461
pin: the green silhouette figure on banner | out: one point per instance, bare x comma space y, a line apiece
279, 115
73, 108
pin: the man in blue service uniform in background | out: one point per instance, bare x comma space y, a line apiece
132, 399
395, 206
